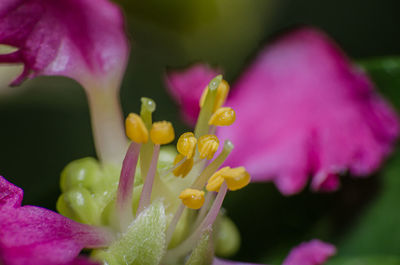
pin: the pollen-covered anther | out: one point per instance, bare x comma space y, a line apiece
192, 198
222, 94
187, 144
215, 181
236, 178
224, 116
162, 132
183, 169
208, 144
135, 129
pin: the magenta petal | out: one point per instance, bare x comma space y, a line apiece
81, 39
186, 87
308, 110
32, 235
314, 252
10, 195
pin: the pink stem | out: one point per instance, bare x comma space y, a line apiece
145, 197
125, 186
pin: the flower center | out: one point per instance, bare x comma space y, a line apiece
180, 196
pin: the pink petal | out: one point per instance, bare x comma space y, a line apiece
10, 195
186, 87
314, 252
301, 109
32, 235
81, 39
312, 112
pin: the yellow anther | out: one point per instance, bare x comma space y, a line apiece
192, 198
223, 117
183, 169
187, 144
162, 132
135, 129
215, 181
236, 178
208, 145
222, 93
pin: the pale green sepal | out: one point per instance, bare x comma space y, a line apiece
203, 253
227, 238
143, 243
78, 204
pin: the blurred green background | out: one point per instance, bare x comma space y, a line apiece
45, 124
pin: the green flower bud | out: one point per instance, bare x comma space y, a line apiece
78, 204
80, 173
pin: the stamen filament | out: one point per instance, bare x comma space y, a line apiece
213, 166
203, 211
212, 129
125, 186
174, 222
187, 245
145, 197
167, 171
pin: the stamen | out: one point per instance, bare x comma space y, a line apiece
125, 186
165, 172
208, 145
213, 166
204, 209
184, 168
192, 198
216, 180
186, 246
187, 144
162, 132
222, 94
223, 117
235, 178
135, 129
208, 107
145, 197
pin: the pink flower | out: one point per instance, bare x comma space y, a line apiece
81, 39
302, 109
31, 235
314, 252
